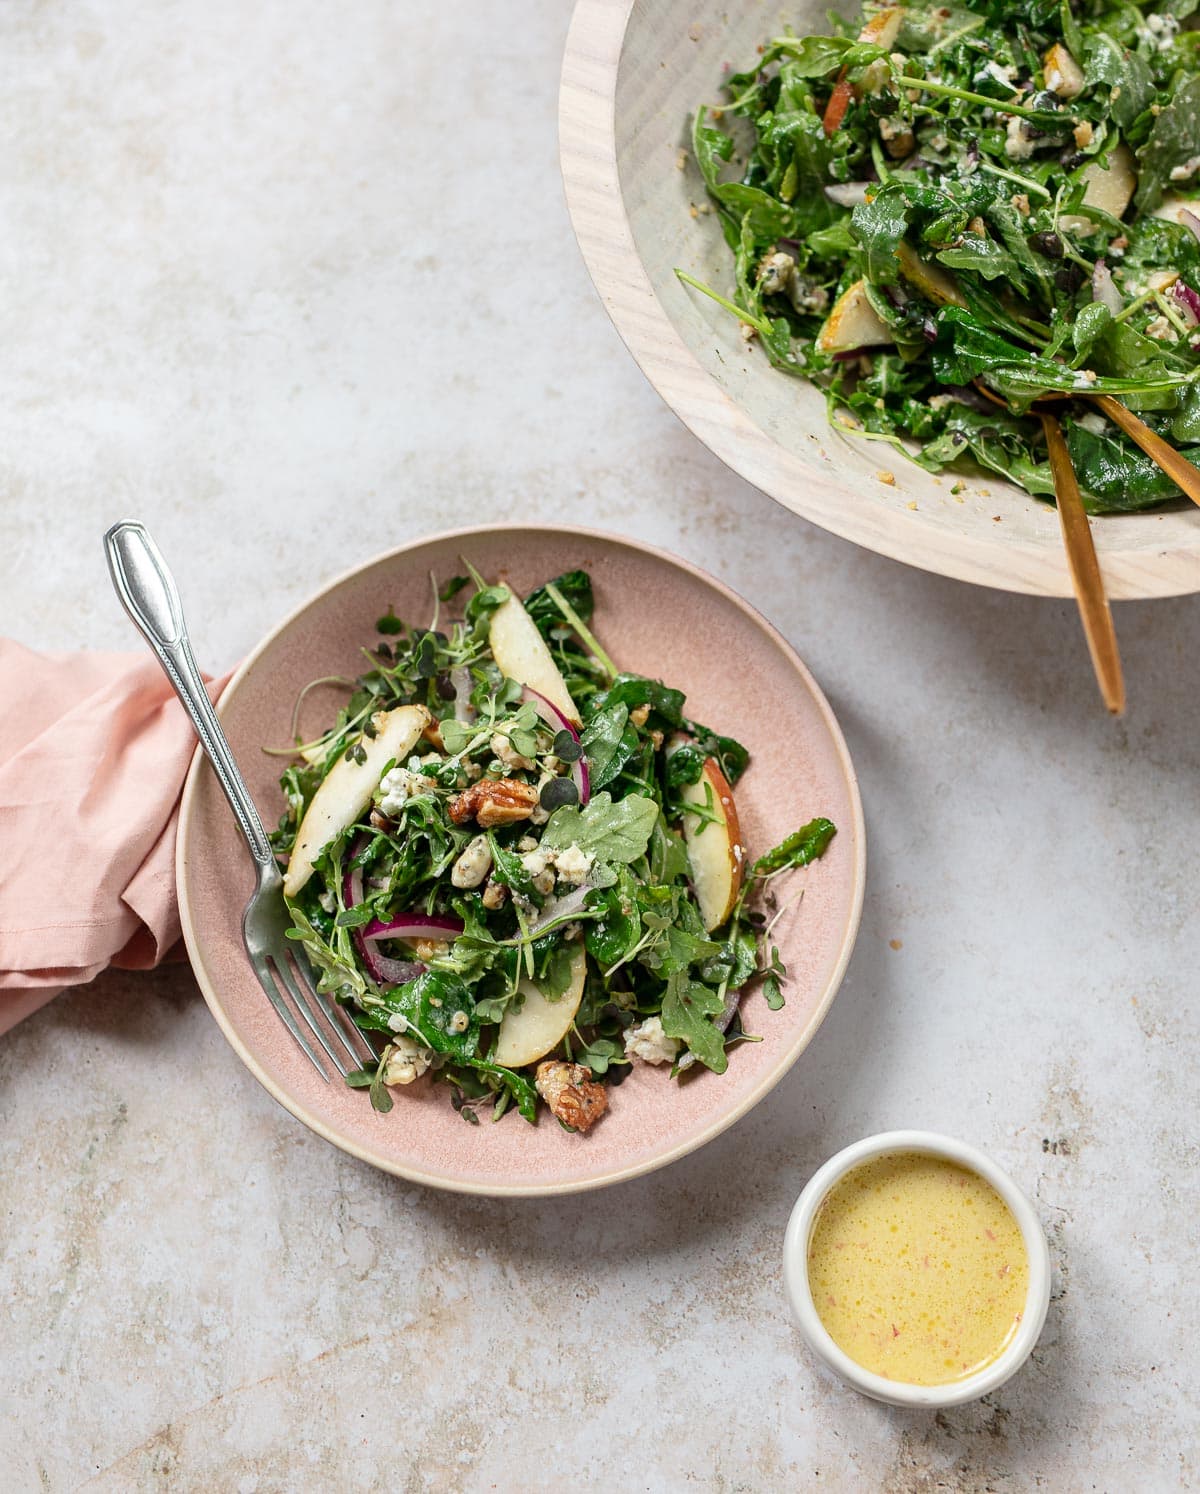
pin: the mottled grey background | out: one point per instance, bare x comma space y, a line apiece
292, 283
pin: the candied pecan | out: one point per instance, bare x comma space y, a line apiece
571, 1094
494, 802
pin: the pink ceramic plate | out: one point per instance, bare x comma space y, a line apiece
656, 615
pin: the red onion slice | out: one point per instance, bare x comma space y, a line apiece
849, 194
460, 678
1189, 220
557, 722
1104, 288
415, 926
383, 969
1188, 302
559, 907
390, 972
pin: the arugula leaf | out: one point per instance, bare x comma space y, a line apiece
509, 870
1115, 476
613, 935
1174, 141
453, 587
576, 587
985, 256
433, 1006
607, 745
634, 690
685, 765
611, 832
732, 758
879, 225
1127, 75
687, 1007
802, 846
479, 610
516, 1085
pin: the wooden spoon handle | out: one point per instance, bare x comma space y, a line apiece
1085, 570
1177, 467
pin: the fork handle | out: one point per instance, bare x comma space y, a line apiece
148, 593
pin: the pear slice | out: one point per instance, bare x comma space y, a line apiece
714, 845
853, 323
930, 279
883, 28
1109, 188
1063, 74
521, 653
346, 789
528, 1032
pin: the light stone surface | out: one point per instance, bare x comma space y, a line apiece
294, 282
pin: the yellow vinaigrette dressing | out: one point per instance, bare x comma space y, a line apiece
918, 1269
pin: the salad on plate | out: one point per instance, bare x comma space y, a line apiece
520, 868
935, 209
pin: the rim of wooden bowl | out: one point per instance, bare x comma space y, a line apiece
591, 178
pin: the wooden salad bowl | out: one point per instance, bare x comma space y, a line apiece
633, 74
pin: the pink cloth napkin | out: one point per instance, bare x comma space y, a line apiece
93, 753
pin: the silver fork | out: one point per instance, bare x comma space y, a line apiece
148, 592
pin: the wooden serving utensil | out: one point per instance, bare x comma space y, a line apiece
1094, 611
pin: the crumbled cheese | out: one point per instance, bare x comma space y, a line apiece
807, 295
774, 272
327, 901
407, 1061
1189, 168
650, 1043
894, 128
1161, 330
1093, 421
1005, 76
1160, 31
1018, 142
473, 864
573, 865
536, 861
508, 754
399, 785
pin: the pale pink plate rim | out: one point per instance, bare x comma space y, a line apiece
486, 1188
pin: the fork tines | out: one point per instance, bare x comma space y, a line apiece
291, 988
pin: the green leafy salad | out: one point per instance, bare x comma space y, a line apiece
931, 198
520, 868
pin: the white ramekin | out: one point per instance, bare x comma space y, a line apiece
795, 1272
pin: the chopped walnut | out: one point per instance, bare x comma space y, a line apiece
490, 802
640, 715
571, 1094
494, 895
429, 949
